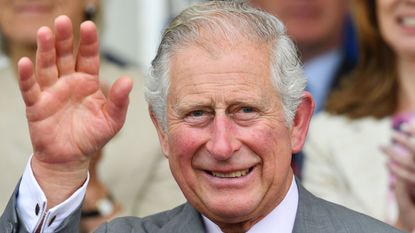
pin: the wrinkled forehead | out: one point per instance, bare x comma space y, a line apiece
218, 51
218, 63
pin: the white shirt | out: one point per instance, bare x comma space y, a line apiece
320, 73
281, 219
32, 204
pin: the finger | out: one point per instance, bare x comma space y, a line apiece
401, 173
406, 207
118, 101
64, 45
409, 127
400, 156
46, 69
402, 195
408, 142
28, 86
88, 52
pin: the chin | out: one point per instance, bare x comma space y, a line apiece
28, 38
233, 211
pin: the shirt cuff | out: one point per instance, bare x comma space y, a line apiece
32, 204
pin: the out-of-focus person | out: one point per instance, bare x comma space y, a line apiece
319, 28
125, 172
352, 151
226, 95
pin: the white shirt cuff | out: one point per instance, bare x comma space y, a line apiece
32, 204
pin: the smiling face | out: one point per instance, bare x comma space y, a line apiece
397, 25
20, 19
227, 139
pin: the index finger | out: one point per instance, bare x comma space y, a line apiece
88, 52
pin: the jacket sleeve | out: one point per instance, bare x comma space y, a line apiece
11, 223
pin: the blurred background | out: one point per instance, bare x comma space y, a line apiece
132, 28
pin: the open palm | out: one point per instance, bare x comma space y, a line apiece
69, 117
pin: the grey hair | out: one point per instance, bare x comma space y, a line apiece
235, 20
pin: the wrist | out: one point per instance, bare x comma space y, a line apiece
404, 227
57, 181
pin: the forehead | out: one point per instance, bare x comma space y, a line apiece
242, 69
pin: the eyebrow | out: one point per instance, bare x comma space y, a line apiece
190, 103
187, 104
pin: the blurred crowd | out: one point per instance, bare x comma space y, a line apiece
358, 58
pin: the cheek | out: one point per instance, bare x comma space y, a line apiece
183, 145
6, 18
273, 145
266, 138
184, 142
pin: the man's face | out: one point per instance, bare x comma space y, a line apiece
227, 141
311, 23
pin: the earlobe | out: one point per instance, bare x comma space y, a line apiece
301, 122
161, 134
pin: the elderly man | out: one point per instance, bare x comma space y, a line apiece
226, 97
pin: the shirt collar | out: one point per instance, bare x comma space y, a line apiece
281, 217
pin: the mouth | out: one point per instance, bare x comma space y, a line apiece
32, 8
407, 21
230, 175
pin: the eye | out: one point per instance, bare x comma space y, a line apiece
247, 110
198, 117
245, 113
197, 113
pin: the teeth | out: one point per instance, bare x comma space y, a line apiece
231, 174
408, 21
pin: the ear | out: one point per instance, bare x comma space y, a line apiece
161, 134
301, 122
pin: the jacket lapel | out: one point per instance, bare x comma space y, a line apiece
308, 219
187, 221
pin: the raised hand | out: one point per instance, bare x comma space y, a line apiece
406, 206
68, 115
401, 166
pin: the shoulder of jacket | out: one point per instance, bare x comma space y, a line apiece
150, 224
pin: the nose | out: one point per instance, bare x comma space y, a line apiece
223, 143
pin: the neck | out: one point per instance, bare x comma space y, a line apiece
406, 94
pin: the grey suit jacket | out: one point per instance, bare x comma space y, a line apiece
314, 215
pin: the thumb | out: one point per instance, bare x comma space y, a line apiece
118, 101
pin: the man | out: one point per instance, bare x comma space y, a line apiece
226, 97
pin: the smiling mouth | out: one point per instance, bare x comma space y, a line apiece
234, 174
407, 21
